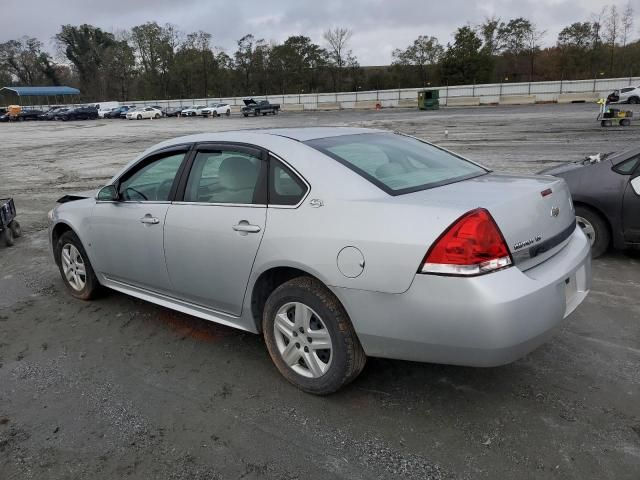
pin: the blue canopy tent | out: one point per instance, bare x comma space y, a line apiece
26, 95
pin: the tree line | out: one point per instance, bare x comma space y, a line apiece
153, 61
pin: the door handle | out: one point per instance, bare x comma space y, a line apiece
246, 227
148, 219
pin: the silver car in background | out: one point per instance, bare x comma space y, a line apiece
335, 244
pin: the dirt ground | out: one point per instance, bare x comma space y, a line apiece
121, 388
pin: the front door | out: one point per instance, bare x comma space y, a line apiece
127, 235
212, 236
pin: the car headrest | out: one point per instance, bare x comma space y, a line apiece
237, 173
389, 170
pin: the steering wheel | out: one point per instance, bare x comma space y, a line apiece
144, 197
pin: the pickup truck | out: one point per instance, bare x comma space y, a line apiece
262, 107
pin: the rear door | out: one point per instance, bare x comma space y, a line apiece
212, 235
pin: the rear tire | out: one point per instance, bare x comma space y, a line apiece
7, 237
156, 116
314, 370
84, 286
595, 228
625, 123
228, 113
634, 100
606, 123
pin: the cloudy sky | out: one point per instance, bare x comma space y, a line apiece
378, 26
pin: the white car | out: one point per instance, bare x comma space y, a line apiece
194, 110
217, 109
626, 95
103, 111
143, 112
106, 107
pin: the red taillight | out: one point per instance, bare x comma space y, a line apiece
473, 245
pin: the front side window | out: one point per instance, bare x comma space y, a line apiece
152, 182
225, 176
285, 188
395, 163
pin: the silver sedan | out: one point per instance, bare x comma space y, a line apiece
335, 244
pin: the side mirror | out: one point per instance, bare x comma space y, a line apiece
108, 193
635, 184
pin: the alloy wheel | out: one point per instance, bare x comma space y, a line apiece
73, 267
303, 340
587, 228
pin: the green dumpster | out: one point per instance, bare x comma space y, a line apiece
429, 99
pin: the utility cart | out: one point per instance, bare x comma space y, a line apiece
9, 226
613, 116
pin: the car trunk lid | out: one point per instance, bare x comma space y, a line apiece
534, 213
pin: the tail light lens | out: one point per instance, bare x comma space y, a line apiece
473, 245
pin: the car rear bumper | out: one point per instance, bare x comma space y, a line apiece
482, 321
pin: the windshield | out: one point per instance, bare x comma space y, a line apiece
395, 163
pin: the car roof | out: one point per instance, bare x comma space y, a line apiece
303, 134
299, 134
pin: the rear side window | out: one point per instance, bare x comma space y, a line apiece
625, 90
224, 176
285, 187
395, 163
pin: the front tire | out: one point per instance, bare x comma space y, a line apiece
75, 268
15, 228
7, 237
310, 337
595, 228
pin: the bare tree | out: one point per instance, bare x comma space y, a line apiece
612, 32
626, 24
597, 20
532, 42
339, 54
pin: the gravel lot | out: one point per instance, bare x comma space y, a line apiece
121, 388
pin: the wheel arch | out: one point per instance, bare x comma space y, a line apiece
270, 279
603, 216
57, 231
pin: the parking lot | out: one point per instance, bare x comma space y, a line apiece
119, 387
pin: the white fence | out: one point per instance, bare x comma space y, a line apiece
482, 94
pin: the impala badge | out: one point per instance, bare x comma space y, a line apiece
555, 211
526, 243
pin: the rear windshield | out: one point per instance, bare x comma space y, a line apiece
395, 163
